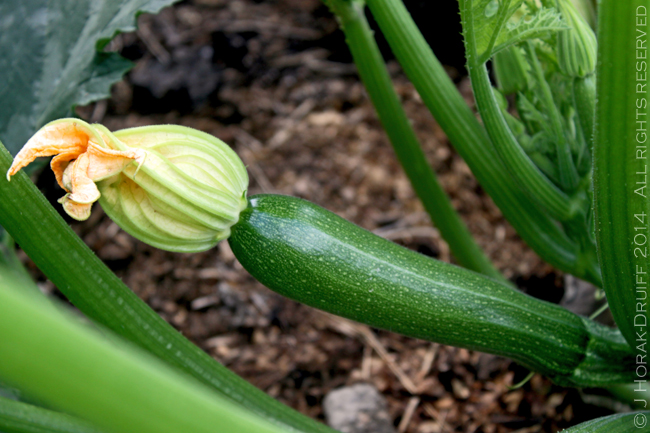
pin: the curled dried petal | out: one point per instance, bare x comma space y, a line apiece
59, 164
64, 136
78, 211
83, 188
81, 158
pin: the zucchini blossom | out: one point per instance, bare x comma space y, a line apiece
577, 47
170, 186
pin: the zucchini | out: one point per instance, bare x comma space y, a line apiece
313, 256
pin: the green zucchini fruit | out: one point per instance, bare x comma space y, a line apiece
311, 255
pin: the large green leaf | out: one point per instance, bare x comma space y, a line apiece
537, 25
51, 58
494, 30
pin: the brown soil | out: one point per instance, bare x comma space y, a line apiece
273, 79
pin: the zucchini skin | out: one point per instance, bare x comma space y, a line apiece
311, 255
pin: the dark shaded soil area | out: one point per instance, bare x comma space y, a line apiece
274, 80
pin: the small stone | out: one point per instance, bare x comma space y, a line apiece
357, 409
580, 297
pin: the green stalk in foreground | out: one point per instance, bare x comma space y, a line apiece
619, 423
19, 417
102, 296
113, 385
376, 79
473, 144
621, 164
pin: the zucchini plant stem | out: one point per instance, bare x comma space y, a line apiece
538, 186
16, 416
10, 262
377, 81
101, 295
621, 205
52, 356
470, 139
526, 173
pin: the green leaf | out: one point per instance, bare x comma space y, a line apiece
619, 423
528, 111
540, 24
490, 18
51, 58
496, 29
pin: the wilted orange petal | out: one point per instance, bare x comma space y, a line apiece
83, 188
59, 164
67, 136
108, 162
78, 211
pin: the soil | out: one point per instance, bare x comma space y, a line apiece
274, 79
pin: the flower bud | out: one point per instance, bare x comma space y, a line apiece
576, 47
172, 187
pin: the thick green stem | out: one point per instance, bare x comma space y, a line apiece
618, 423
527, 174
531, 179
376, 79
102, 296
10, 262
470, 140
49, 354
621, 202
19, 417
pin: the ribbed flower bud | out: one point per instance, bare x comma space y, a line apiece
172, 187
576, 47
